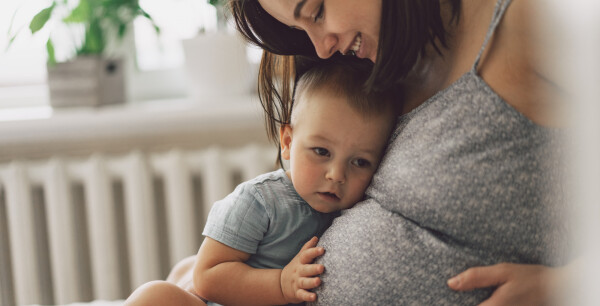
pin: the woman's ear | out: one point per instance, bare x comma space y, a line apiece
285, 139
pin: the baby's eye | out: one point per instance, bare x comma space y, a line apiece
361, 163
321, 151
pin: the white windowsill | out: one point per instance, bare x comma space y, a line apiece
152, 124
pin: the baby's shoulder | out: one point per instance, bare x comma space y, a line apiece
271, 182
268, 189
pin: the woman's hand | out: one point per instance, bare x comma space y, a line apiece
300, 275
516, 284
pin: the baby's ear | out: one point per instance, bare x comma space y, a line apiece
285, 139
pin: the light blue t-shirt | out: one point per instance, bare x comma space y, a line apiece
267, 218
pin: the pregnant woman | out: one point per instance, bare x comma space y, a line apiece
472, 175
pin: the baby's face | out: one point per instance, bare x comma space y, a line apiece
333, 151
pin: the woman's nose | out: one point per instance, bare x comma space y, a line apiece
336, 173
324, 43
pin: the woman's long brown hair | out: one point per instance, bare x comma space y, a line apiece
407, 27
276, 97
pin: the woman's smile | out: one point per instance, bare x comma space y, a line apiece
355, 47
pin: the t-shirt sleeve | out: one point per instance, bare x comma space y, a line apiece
239, 221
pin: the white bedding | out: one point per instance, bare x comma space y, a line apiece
95, 303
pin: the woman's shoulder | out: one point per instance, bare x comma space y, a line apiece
516, 63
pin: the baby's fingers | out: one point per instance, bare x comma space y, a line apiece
309, 255
310, 244
306, 296
311, 270
309, 282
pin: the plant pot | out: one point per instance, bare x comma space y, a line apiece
216, 65
87, 81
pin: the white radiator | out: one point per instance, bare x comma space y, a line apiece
81, 229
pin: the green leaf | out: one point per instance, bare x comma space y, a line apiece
50, 50
121, 31
81, 13
40, 19
12, 22
94, 40
12, 38
10, 42
147, 16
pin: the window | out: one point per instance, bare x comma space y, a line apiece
160, 59
23, 65
156, 73
178, 20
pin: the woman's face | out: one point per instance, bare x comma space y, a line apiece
347, 26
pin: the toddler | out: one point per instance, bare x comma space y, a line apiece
255, 249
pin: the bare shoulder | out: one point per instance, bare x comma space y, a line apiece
516, 64
521, 29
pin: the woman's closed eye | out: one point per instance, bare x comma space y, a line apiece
321, 151
316, 17
320, 12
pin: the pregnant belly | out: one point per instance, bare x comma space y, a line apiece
374, 256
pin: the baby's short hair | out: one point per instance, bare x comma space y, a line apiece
345, 76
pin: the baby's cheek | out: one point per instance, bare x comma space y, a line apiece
359, 189
302, 186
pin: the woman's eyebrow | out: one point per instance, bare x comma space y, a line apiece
298, 8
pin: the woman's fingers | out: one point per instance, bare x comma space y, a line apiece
505, 297
516, 284
480, 277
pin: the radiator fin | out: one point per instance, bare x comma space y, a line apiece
85, 228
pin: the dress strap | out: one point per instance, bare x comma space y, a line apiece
499, 10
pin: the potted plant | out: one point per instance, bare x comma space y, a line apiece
216, 62
221, 13
89, 77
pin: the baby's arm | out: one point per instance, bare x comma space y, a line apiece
221, 275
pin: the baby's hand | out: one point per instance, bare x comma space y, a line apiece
300, 275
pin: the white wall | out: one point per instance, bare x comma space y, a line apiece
575, 27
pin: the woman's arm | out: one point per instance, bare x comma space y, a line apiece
221, 275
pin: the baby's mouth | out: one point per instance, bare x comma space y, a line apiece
329, 195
